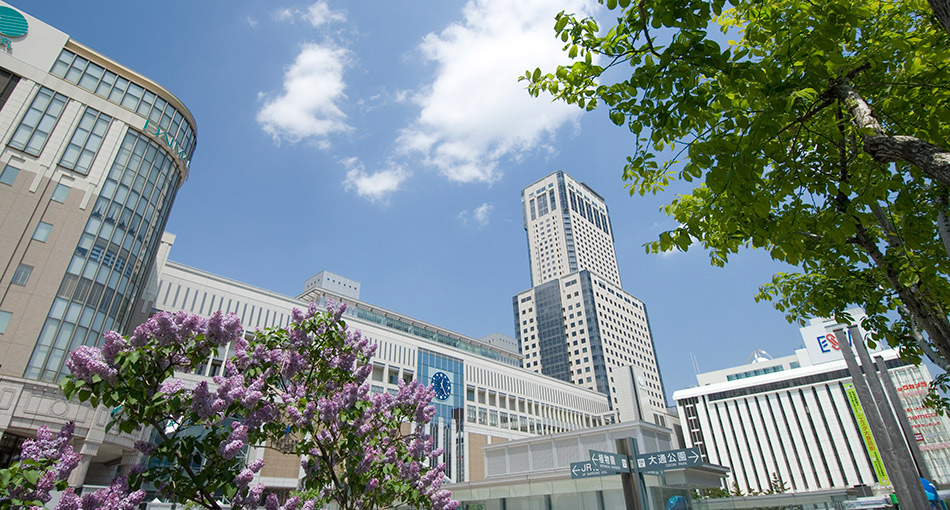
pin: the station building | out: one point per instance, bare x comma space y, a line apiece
92, 155
790, 417
491, 399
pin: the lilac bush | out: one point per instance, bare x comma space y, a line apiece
306, 383
45, 464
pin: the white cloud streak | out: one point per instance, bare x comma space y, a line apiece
317, 14
475, 114
376, 186
480, 215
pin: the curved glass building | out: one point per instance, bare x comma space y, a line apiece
91, 157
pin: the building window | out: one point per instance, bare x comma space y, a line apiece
85, 141
42, 231
8, 82
60, 193
107, 84
8, 175
22, 275
30, 136
4, 321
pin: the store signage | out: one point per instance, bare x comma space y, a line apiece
823, 345
865, 428
12, 24
166, 137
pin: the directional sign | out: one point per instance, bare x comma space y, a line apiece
672, 459
587, 469
617, 462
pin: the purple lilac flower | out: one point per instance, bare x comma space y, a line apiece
235, 441
171, 386
146, 447
222, 329
113, 345
87, 362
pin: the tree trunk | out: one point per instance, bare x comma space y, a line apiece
941, 10
933, 320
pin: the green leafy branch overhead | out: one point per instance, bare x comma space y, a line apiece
814, 130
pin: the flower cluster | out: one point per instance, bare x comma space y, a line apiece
114, 497
52, 456
308, 380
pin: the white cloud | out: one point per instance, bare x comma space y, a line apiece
480, 215
317, 14
475, 113
308, 108
375, 186
252, 22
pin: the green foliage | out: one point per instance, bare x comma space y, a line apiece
776, 485
735, 491
779, 157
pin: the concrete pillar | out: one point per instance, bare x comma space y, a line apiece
129, 460
902, 419
78, 477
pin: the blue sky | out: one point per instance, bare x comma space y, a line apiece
388, 142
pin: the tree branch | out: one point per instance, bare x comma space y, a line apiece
931, 159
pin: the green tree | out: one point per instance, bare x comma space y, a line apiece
814, 133
776, 485
735, 491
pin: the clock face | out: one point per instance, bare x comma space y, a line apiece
442, 385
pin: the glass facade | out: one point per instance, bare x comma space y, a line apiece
447, 425
116, 89
85, 142
593, 336
388, 321
113, 256
555, 360
40, 118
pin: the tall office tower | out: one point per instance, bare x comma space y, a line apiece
576, 323
568, 230
91, 157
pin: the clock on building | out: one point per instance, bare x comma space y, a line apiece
442, 385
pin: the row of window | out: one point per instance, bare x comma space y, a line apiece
41, 116
128, 94
108, 265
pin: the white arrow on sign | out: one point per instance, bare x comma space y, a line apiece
574, 469
694, 456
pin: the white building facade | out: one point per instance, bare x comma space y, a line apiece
790, 417
577, 323
491, 400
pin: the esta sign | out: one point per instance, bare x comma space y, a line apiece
12, 24
155, 130
829, 342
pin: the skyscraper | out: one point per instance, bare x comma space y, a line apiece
577, 323
568, 230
